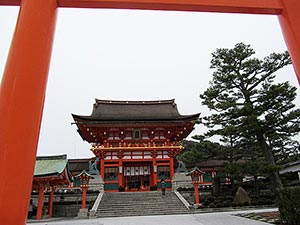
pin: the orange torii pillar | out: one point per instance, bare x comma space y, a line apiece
289, 20
22, 94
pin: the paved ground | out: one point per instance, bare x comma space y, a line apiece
221, 218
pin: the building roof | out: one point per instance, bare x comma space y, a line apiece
77, 165
46, 166
291, 167
83, 172
106, 110
195, 170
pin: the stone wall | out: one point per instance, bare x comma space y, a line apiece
65, 210
66, 204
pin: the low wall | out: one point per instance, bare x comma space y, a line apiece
65, 204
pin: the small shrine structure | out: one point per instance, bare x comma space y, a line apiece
135, 141
49, 172
197, 178
83, 178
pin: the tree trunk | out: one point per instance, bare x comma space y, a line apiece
256, 185
276, 181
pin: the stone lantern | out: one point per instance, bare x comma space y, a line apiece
197, 178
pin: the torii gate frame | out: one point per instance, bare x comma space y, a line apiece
22, 91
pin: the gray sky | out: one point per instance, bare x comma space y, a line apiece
135, 55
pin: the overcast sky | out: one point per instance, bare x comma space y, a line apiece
135, 55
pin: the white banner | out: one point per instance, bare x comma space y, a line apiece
136, 170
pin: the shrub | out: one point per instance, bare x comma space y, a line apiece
206, 203
246, 204
233, 204
202, 198
289, 205
261, 201
211, 198
212, 205
229, 198
200, 207
219, 204
240, 204
227, 203
254, 202
269, 202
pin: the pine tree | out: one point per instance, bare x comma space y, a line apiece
247, 104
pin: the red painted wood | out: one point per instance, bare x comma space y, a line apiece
196, 194
22, 95
83, 204
50, 202
290, 25
228, 6
39, 212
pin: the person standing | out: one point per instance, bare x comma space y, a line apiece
163, 186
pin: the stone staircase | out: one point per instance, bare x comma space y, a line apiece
121, 204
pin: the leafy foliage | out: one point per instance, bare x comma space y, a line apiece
194, 152
250, 112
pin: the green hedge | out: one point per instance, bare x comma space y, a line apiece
289, 205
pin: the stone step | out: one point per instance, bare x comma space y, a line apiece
158, 212
140, 208
138, 214
140, 203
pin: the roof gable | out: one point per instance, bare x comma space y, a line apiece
106, 110
50, 165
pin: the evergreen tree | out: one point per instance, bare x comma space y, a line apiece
248, 105
195, 152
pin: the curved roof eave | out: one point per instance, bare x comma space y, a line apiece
92, 119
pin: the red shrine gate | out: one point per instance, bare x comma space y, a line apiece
136, 141
26, 72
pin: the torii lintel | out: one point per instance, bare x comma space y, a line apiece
273, 7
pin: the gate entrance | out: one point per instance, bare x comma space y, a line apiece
137, 178
137, 183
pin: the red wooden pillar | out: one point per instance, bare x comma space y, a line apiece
196, 190
39, 212
171, 167
154, 175
120, 173
50, 202
22, 94
290, 25
102, 168
83, 205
